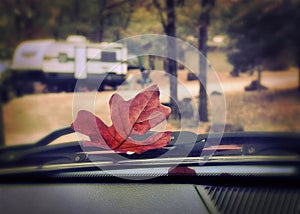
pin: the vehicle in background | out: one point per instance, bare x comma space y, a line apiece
60, 64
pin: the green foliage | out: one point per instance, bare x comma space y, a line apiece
263, 33
188, 16
144, 20
14, 84
98, 20
6, 85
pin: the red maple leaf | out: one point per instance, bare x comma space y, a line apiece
129, 118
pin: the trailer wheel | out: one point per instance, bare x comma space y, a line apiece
50, 89
70, 87
101, 88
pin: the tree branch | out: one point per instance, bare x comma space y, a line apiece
132, 5
160, 11
115, 4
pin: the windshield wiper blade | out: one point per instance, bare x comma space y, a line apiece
43, 152
187, 143
53, 136
244, 143
240, 143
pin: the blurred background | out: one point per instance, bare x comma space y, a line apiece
254, 46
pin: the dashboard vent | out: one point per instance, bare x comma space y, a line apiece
251, 199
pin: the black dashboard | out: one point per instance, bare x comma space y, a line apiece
91, 192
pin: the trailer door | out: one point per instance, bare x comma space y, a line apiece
80, 63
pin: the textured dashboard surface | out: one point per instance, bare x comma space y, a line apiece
251, 199
100, 198
146, 198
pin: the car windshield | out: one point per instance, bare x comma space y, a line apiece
124, 68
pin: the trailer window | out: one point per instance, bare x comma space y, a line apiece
62, 57
108, 56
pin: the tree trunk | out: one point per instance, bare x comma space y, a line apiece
172, 53
298, 76
298, 63
100, 28
2, 139
202, 38
18, 22
259, 70
202, 46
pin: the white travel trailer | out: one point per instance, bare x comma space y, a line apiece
60, 64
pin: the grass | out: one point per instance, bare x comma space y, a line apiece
29, 118
265, 110
270, 110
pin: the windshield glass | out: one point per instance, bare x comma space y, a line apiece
213, 66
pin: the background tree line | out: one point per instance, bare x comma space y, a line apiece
257, 29
262, 33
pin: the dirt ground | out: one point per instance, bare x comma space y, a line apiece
29, 118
